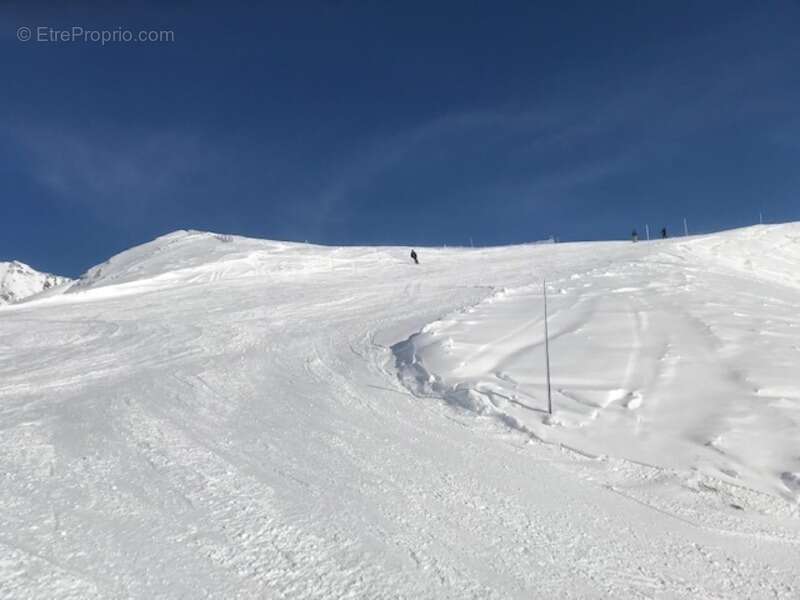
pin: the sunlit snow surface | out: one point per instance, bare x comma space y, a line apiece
19, 281
213, 416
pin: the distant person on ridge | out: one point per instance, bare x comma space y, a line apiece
414, 257
663, 233
635, 236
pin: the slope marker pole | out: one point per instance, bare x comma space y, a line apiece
547, 350
647, 231
685, 227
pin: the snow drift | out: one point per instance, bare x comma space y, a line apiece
686, 357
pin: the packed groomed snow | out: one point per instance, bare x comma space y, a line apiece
214, 416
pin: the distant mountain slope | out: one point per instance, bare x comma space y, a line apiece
19, 281
190, 256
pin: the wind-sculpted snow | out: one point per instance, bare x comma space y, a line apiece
214, 416
682, 358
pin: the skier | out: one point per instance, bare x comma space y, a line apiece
635, 236
414, 257
663, 233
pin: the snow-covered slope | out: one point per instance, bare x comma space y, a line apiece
685, 355
193, 256
19, 281
212, 416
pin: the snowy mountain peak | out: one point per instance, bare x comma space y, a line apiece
190, 255
19, 281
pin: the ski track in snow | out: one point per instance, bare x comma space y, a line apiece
207, 416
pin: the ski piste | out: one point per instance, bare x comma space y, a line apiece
211, 415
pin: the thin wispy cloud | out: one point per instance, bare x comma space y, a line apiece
440, 139
575, 138
115, 172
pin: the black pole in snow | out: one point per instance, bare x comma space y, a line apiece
547, 350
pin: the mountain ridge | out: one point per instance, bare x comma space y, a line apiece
19, 281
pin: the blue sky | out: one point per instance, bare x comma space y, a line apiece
355, 122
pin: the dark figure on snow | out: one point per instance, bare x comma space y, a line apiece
663, 233
635, 236
414, 257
